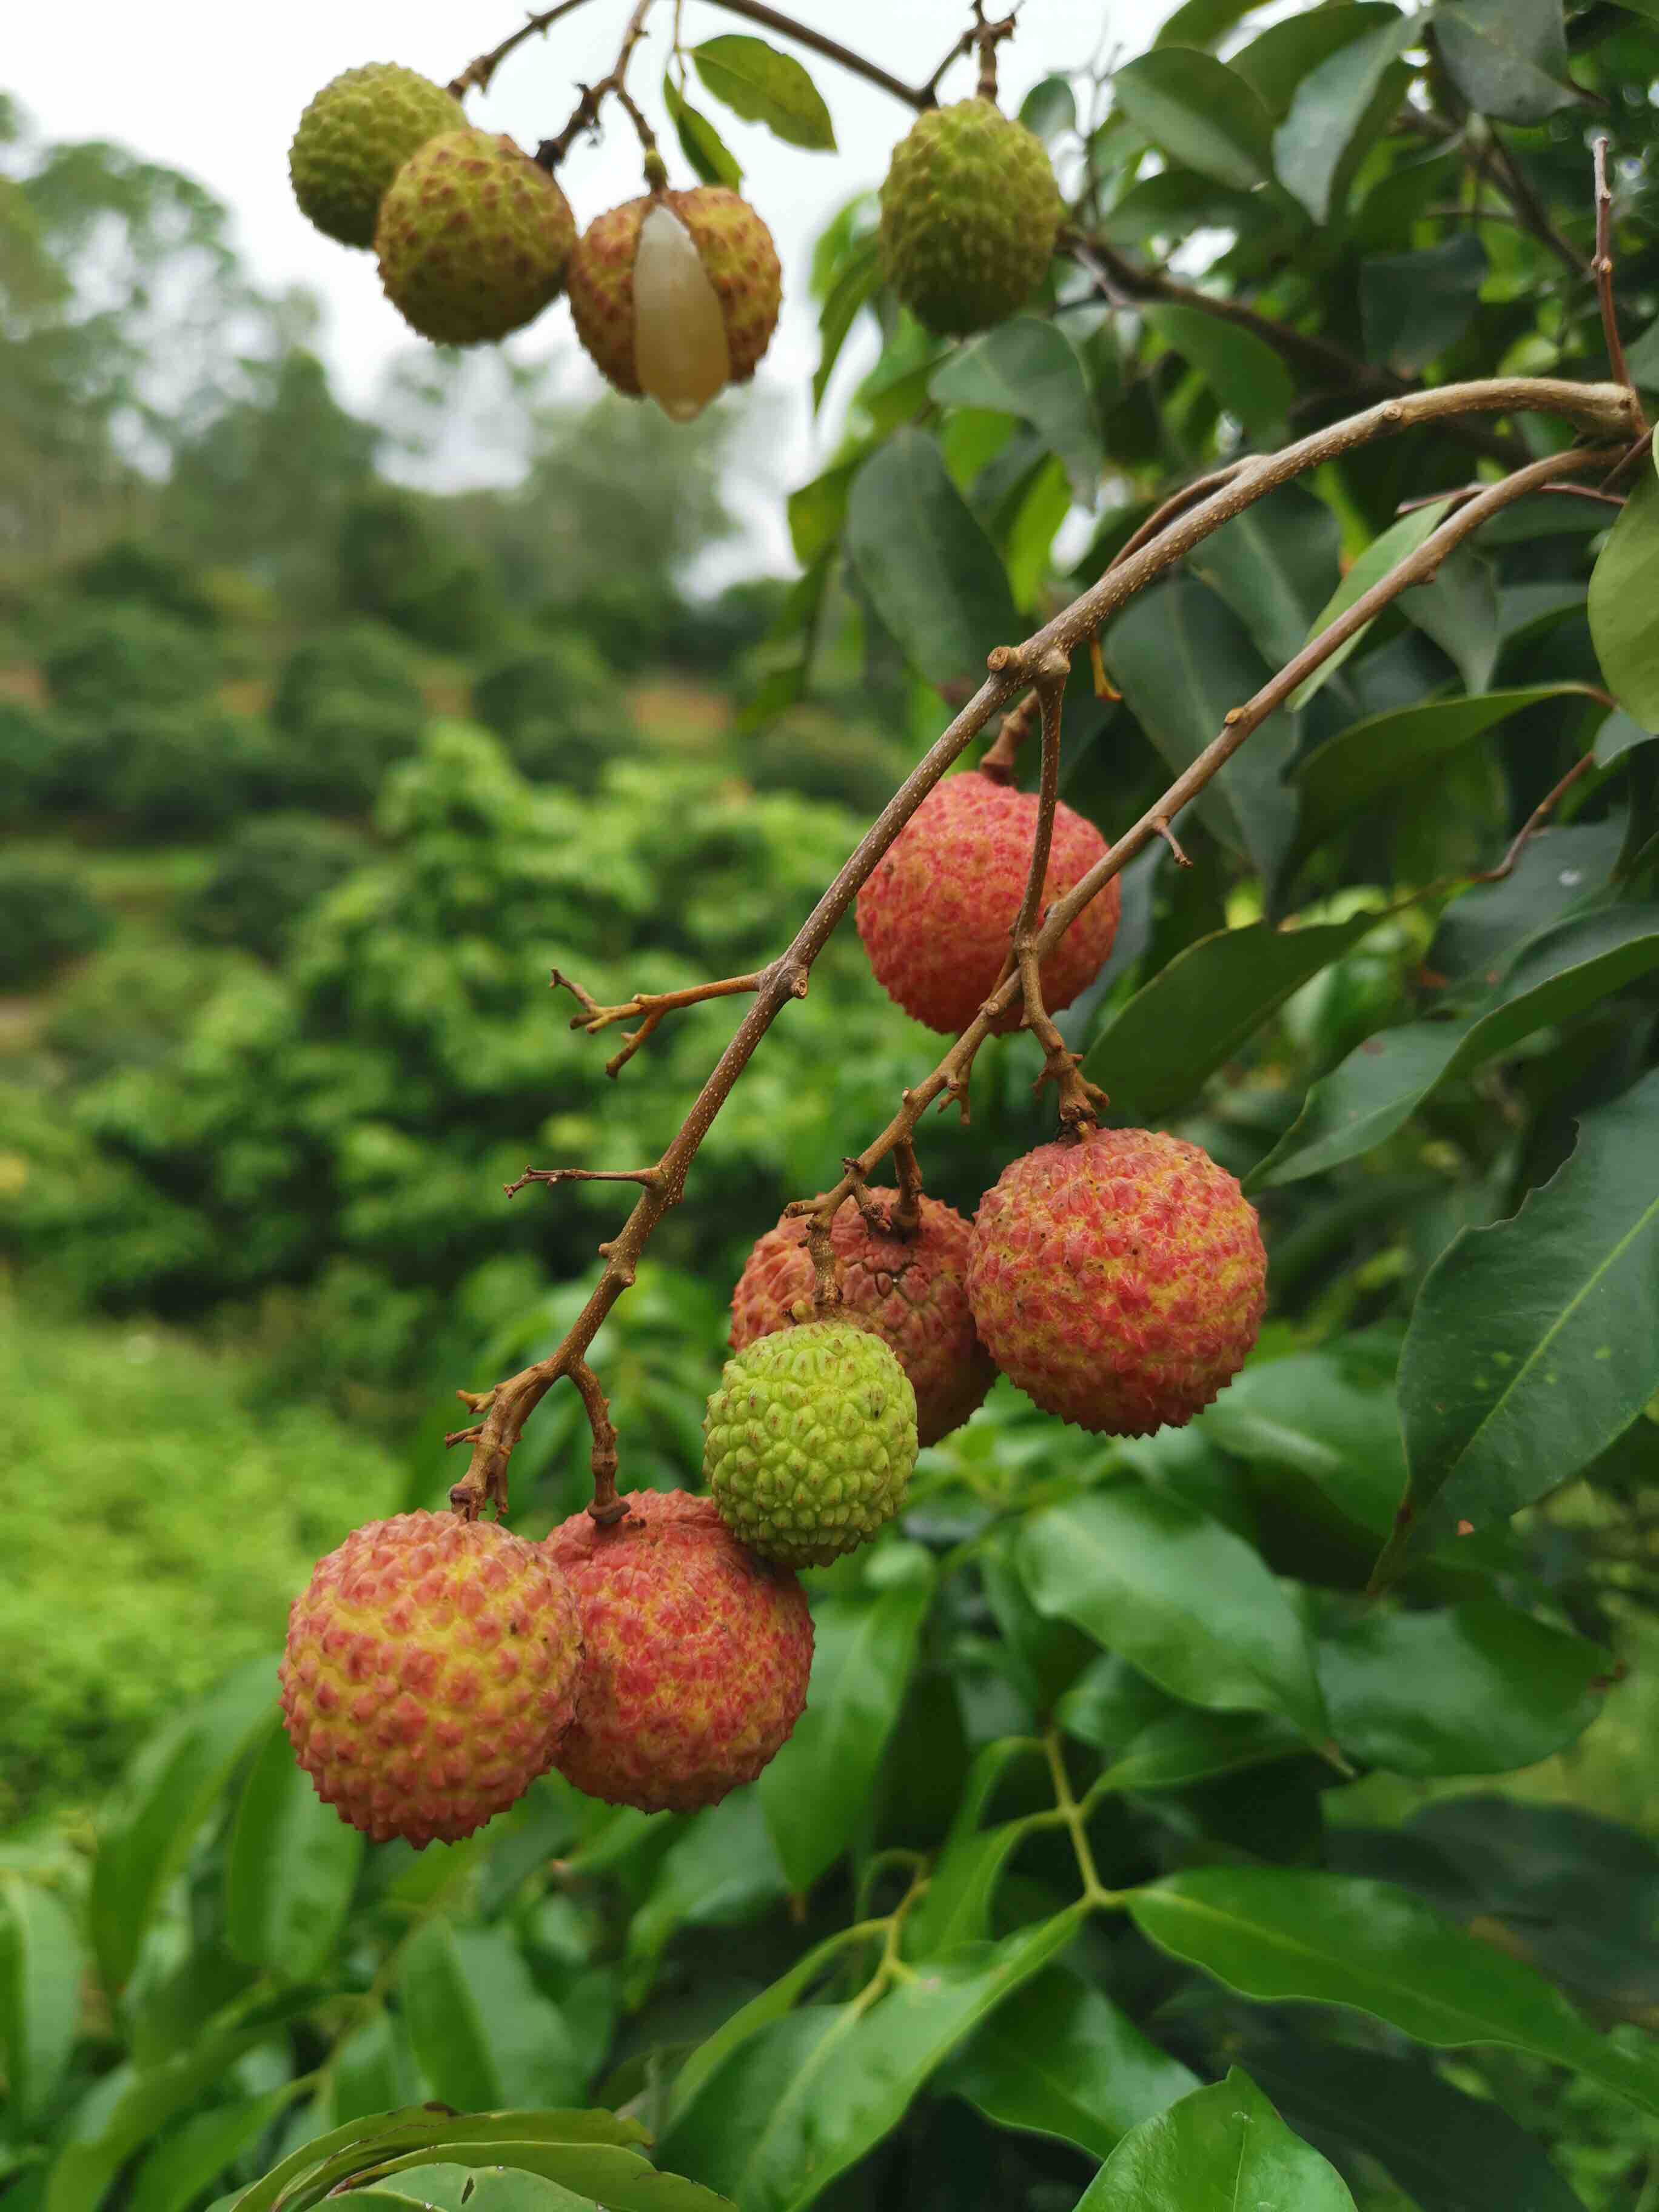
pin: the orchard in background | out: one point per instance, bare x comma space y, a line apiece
933, 1806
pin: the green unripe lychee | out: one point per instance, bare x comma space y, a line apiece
809, 1442
353, 138
970, 212
473, 238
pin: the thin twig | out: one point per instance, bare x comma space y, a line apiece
653, 1005
1469, 491
1604, 263
999, 760
907, 1211
480, 71
605, 1506
552, 151
1605, 408
1534, 821
646, 1177
1170, 838
1511, 181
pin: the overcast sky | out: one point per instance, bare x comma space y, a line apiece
215, 90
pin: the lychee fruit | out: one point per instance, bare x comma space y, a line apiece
696, 1654
809, 1442
676, 294
910, 1290
1118, 1280
355, 135
970, 213
936, 913
473, 238
429, 1673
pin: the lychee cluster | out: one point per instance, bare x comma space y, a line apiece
675, 294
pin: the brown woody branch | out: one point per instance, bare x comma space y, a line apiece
1607, 409
651, 1006
1615, 344
479, 71
552, 151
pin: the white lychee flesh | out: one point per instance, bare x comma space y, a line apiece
680, 352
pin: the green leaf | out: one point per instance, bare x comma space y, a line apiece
1049, 108
1623, 588
173, 1783
1220, 2149
1397, 544
1276, 60
813, 1793
307, 2175
1324, 1415
957, 1907
292, 1868
1459, 609
1535, 1342
856, 285
1158, 1050
1194, 109
1059, 2059
1379, 1086
1246, 374
1507, 58
621, 2179
1335, 107
1180, 1597
1202, 22
721, 1869
1275, 565
796, 2106
701, 143
1414, 306
1616, 737
42, 1963
1349, 772
774, 2003
1186, 1746
1030, 369
1477, 1688
1184, 661
930, 571
483, 2033
191, 2159
761, 85
463, 2189
1273, 1933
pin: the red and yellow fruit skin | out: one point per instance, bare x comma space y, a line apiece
473, 238
1118, 1281
696, 1654
911, 1291
735, 248
936, 912
430, 1671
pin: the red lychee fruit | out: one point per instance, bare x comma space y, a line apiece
1118, 1281
911, 1291
696, 1654
429, 1673
936, 913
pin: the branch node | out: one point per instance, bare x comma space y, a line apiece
1170, 838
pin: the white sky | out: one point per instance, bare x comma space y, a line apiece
215, 89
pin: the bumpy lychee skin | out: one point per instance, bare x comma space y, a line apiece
473, 238
696, 1654
1118, 1281
912, 1291
355, 135
429, 1674
936, 913
809, 1442
639, 344
970, 213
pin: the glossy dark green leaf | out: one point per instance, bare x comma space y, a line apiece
1623, 587
1219, 2150
1180, 1597
1616, 737
1349, 772
483, 2035
1507, 58
722, 1868
189, 2160
1247, 375
1379, 1086
292, 1868
1334, 104
1049, 108
1459, 609
701, 143
308, 2173
1159, 1049
1476, 1688
1202, 22
957, 1907
620, 2179
1396, 544
1188, 1746
1183, 661
1059, 2059
813, 1792
1449, 2152
926, 565
797, 2104
463, 2189
774, 2002
763, 85
1030, 369
1535, 1342
371, 2071
855, 286
1273, 1933
1414, 306
42, 1964
1195, 110
172, 1786
1277, 58
1275, 565
1109, 1703
1324, 1415
1557, 872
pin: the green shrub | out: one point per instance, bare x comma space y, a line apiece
106, 660
130, 571
270, 869
47, 915
347, 703
131, 1005
176, 772
398, 564
558, 711
28, 741
825, 756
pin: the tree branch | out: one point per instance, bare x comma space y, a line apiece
653, 1004
1610, 410
552, 151
916, 96
480, 71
